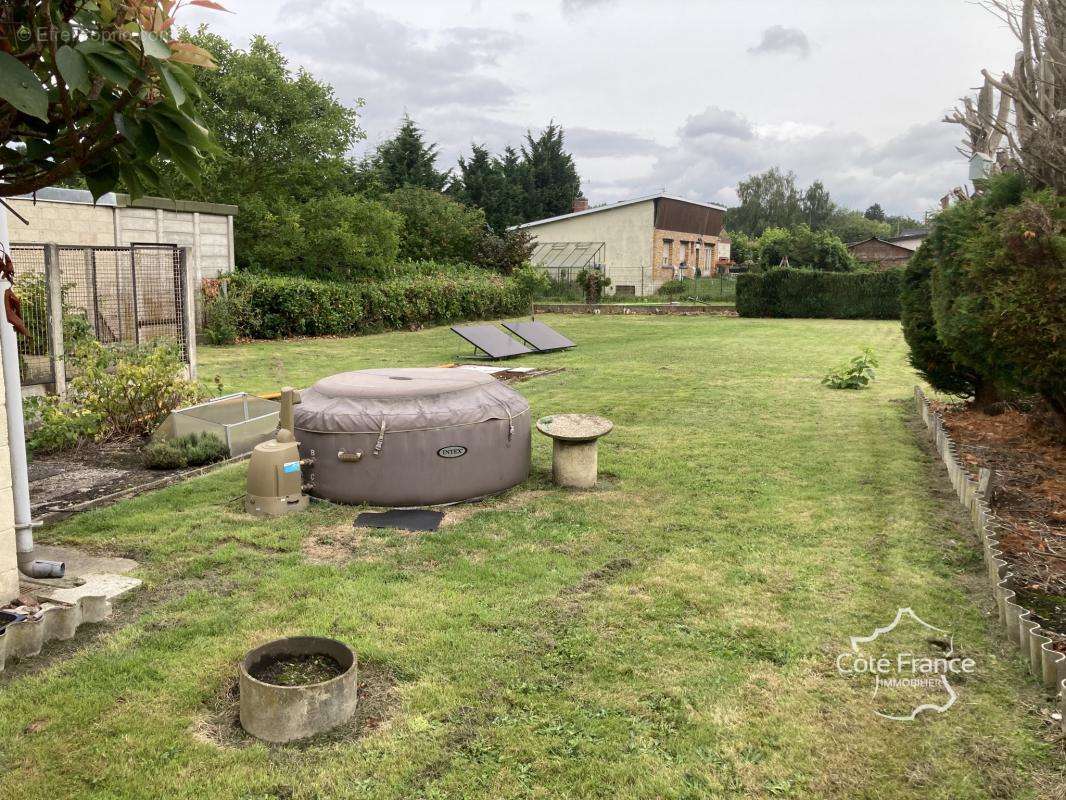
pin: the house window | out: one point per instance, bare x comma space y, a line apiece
668, 247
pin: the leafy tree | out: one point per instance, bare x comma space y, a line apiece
348, 237
510, 208
406, 160
284, 140
821, 250
775, 244
767, 200
549, 176
805, 249
875, 212
851, 226
478, 180
744, 249
493, 184
817, 206
96, 91
436, 227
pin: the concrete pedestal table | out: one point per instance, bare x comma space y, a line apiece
574, 457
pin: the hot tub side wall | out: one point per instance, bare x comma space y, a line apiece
410, 469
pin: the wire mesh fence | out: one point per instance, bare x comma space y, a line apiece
35, 364
117, 295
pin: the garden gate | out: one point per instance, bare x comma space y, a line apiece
127, 295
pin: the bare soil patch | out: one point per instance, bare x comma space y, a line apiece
344, 543
65, 483
1028, 495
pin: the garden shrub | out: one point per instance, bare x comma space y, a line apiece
192, 450
815, 294
593, 281
434, 269
434, 226
999, 289
532, 280
505, 252
855, 374
560, 289
1021, 264
703, 289
276, 307
673, 287
348, 237
115, 392
773, 245
58, 425
220, 320
928, 355
804, 248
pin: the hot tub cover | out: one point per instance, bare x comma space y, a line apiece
368, 401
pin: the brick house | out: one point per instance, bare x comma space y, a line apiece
641, 243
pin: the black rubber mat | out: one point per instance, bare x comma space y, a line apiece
411, 519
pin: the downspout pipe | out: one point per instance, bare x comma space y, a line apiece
16, 435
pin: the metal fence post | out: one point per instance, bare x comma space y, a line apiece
188, 272
53, 281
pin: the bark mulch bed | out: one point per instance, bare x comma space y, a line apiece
1028, 495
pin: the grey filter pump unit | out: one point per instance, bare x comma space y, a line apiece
275, 472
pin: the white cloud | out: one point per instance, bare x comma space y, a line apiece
578, 6
449, 74
780, 39
905, 174
471, 71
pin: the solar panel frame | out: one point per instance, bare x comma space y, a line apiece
540, 336
491, 341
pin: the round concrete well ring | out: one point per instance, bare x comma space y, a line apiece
286, 713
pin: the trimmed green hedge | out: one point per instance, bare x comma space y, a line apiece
820, 295
279, 307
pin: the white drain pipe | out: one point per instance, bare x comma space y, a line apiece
16, 435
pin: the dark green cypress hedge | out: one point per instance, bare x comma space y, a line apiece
928, 355
814, 294
278, 307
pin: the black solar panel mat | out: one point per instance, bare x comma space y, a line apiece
491, 341
539, 335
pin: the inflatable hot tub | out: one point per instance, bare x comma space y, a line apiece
413, 437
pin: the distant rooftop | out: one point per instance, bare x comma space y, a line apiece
621, 204
909, 233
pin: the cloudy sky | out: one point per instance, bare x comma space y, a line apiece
690, 95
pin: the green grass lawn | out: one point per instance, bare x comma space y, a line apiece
672, 634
